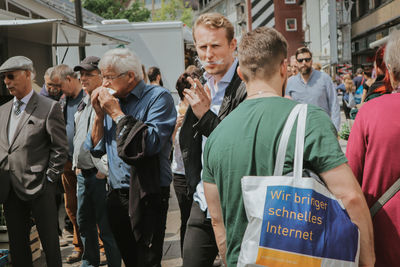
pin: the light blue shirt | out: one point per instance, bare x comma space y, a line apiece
319, 91
217, 95
154, 106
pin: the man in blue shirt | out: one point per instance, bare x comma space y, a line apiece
91, 182
125, 97
313, 87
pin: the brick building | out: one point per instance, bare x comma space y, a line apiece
288, 21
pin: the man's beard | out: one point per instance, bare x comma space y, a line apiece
305, 70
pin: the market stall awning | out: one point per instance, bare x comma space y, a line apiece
55, 32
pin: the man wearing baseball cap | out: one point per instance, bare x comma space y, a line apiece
91, 179
33, 151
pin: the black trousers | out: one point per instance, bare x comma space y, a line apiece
136, 253
185, 201
18, 219
200, 247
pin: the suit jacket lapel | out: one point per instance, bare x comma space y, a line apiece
5, 117
226, 101
30, 108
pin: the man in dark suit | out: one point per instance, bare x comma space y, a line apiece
33, 151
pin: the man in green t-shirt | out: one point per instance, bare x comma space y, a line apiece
246, 143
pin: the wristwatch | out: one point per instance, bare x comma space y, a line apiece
118, 118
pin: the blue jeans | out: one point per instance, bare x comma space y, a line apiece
92, 212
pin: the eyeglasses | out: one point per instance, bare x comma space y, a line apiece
307, 59
111, 78
9, 76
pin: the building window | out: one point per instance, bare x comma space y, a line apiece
290, 1
363, 8
291, 25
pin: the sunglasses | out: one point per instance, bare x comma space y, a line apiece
9, 76
307, 59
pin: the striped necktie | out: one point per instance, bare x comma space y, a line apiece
17, 107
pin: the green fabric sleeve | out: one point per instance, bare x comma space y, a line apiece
207, 175
322, 151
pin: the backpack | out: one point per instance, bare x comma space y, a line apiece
359, 92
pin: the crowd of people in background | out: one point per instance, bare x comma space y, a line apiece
108, 137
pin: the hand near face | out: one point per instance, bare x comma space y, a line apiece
96, 103
199, 97
109, 104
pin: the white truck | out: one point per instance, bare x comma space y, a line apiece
159, 44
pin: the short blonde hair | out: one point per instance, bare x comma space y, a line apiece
261, 52
215, 21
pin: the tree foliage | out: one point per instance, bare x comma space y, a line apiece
174, 10
111, 9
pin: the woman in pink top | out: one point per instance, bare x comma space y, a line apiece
373, 152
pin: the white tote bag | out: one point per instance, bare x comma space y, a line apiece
295, 220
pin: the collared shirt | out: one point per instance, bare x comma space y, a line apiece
14, 119
154, 106
319, 91
25, 100
217, 95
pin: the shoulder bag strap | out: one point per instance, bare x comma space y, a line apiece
385, 198
287, 129
300, 135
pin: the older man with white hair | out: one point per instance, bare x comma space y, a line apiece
134, 124
33, 150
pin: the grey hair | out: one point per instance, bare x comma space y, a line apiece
49, 71
122, 60
62, 71
33, 74
392, 54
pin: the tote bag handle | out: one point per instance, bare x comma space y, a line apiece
300, 112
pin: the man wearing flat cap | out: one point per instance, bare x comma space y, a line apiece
91, 179
33, 151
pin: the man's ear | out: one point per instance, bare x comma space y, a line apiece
233, 44
131, 76
239, 72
